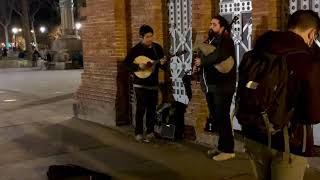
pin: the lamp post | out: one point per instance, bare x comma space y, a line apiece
43, 29
78, 27
15, 31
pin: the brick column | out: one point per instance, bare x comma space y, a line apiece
104, 46
197, 112
111, 28
153, 13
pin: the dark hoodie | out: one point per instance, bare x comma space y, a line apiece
304, 85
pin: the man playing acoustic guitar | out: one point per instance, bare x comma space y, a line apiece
144, 60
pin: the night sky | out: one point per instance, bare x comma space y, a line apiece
47, 16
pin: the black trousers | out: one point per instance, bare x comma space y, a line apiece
146, 102
219, 107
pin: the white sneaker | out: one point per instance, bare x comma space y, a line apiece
224, 156
139, 138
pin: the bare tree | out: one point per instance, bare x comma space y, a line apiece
54, 4
21, 7
6, 10
26, 25
33, 7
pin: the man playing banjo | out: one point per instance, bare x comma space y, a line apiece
144, 60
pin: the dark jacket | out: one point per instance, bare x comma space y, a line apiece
303, 90
154, 53
213, 79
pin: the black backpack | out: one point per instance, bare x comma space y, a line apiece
261, 101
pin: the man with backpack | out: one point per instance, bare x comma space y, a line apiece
278, 98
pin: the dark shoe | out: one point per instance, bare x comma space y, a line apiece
213, 152
149, 138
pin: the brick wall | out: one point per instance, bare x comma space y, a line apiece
104, 44
153, 13
110, 29
197, 112
268, 15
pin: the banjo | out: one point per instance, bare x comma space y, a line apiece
145, 73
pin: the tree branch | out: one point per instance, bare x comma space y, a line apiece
10, 15
16, 7
36, 10
54, 4
5, 18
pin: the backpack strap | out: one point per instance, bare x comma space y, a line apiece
304, 146
286, 153
267, 123
271, 131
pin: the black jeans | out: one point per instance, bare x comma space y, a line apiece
146, 101
219, 107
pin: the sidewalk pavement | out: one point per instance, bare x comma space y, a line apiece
30, 148
38, 130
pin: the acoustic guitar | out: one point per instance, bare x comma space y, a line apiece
145, 73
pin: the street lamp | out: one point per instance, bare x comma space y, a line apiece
15, 31
78, 26
43, 29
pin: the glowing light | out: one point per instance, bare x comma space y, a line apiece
78, 26
10, 100
15, 30
43, 29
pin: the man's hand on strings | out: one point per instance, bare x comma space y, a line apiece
197, 61
163, 61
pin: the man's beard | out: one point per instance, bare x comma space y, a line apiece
212, 34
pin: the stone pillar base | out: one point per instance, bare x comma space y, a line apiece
64, 48
104, 115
